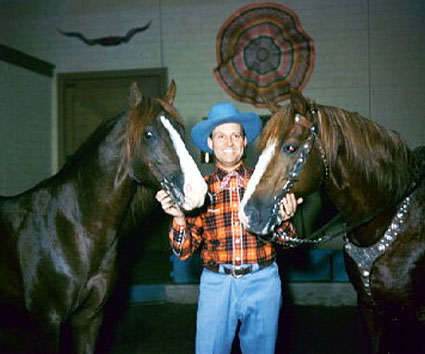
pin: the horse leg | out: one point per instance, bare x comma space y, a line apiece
49, 332
86, 321
84, 330
371, 327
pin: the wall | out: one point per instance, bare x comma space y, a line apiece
25, 122
370, 54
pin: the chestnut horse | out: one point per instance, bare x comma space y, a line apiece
58, 240
376, 183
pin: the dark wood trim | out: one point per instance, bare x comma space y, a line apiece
90, 75
15, 57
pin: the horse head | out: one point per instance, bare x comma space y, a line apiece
291, 160
156, 150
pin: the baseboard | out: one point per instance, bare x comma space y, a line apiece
303, 294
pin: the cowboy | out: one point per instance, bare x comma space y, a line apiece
240, 280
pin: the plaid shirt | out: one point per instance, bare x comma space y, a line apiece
225, 241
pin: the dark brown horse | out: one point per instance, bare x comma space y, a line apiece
376, 182
58, 240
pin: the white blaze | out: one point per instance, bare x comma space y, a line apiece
260, 168
195, 186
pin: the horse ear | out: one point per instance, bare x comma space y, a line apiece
171, 93
272, 106
135, 96
298, 102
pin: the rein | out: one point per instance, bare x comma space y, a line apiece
320, 236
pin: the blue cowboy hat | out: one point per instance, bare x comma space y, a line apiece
225, 112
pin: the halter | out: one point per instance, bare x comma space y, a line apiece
297, 168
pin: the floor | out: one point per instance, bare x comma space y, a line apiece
163, 328
166, 328
169, 328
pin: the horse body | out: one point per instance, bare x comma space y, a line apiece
65, 247
394, 307
58, 241
367, 171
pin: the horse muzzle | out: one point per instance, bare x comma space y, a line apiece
173, 191
254, 222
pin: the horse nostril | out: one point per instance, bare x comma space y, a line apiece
252, 215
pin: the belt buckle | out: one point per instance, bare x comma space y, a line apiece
234, 270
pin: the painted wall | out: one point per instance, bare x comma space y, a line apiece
25, 128
370, 53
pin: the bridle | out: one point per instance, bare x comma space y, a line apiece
320, 235
299, 164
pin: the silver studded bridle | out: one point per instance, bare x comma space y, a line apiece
295, 171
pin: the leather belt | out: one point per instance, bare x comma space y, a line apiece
238, 271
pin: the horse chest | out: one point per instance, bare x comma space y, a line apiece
366, 257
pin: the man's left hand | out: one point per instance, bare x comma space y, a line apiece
288, 206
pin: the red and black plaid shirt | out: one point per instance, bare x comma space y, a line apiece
224, 239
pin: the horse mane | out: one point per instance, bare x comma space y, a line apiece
135, 120
93, 141
75, 162
139, 117
142, 205
380, 156
274, 126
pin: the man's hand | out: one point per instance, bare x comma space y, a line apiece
288, 206
169, 207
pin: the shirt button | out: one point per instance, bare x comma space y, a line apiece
237, 259
237, 240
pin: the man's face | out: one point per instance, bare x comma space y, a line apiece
228, 144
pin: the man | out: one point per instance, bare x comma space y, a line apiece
240, 281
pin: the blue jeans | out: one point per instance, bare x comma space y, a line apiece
254, 299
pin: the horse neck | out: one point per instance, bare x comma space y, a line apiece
103, 186
367, 173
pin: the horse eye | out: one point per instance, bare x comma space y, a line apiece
148, 134
289, 148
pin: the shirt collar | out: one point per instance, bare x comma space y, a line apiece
240, 170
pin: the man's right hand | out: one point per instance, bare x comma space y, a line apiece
169, 207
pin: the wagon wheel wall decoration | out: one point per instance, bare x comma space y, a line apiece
262, 51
